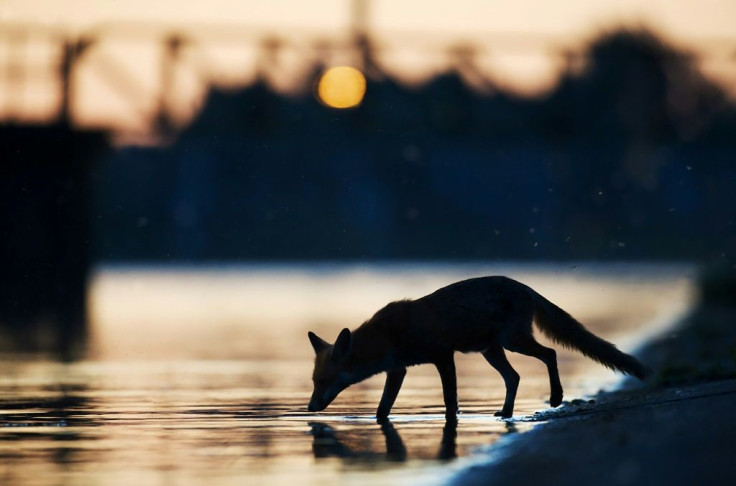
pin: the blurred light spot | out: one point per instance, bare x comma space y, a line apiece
341, 87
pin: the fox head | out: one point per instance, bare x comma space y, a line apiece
330, 375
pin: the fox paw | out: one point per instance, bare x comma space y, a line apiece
555, 400
503, 414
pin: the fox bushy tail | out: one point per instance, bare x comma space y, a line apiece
563, 329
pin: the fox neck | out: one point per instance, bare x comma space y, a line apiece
372, 353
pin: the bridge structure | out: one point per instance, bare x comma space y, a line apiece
152, 77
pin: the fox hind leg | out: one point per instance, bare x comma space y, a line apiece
525, 344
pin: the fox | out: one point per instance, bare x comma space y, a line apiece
487, 315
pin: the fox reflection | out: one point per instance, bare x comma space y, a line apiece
328, 442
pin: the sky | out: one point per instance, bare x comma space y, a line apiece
413, 35
689, 18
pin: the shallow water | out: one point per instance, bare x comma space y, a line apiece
202, 375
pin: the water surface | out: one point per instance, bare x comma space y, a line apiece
202, 375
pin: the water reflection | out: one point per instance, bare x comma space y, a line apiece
219, 397
44, 412
329, 442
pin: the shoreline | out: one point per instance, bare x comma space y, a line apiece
676, 428
674, 435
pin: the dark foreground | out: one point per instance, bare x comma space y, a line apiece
679, 435
679, 428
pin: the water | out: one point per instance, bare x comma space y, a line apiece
202, 375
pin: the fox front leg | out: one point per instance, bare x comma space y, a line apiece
394, 379
446, 368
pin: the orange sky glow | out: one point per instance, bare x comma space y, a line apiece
118, 83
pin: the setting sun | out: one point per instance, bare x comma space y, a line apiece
341, 87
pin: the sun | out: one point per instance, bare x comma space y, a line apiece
341, 87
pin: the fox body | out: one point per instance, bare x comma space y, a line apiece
485, 315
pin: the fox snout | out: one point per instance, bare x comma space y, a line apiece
318, 401
315, 406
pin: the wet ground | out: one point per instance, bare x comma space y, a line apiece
665, 436
201, 375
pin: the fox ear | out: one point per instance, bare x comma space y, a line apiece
317, 342
343, 345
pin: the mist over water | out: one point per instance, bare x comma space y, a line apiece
202, 374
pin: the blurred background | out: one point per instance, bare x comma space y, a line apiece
182, 132
188, 187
